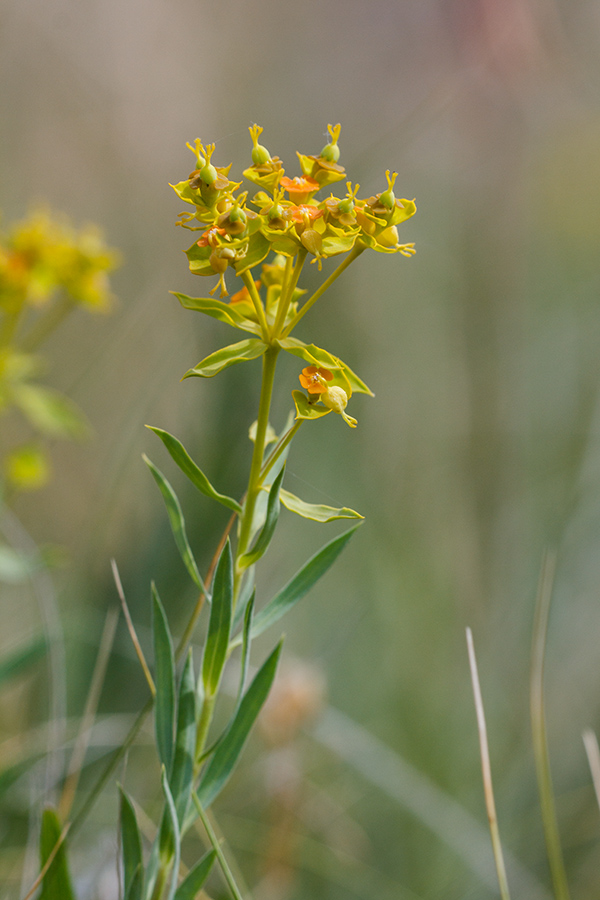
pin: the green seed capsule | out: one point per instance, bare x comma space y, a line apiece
208, 174
260, 155
346, 206
330, 152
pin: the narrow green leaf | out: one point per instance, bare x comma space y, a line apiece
218, 310
164, 677
251, 348
246, 643
177, 523
264, 538
301, 583
219, 625
131, 843
187, 465
195, 878
176, 836
306, 410
181, 781
56, 884
318, 512
316, 356
50, 411
226, 755
136, 887
13, 664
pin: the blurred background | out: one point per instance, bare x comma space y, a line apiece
480, 450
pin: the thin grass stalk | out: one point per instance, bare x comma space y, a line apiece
590, 742
488, 788
538, 728
216, 845
131, 629
89, 713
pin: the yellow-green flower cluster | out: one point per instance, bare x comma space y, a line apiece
47, 269
285, 222
44, 255
285, 216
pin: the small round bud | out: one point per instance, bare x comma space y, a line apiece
346, 205
335, 398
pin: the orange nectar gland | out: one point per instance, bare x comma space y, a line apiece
314, 380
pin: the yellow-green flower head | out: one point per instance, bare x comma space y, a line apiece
317, 381
266, 170
324, 169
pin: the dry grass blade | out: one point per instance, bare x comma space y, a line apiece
487, 772
590, 742
89, 714
538, 728
132, 632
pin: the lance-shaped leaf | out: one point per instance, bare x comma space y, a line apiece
264, 538
251, 348
170, 817
177, 522
56, 884
315, 356
181, 780
164, 677
227, 753
306, 410
218, 310
194, 880
50, 411
318, 512
131, 843
301, 583
219, 625
187, 465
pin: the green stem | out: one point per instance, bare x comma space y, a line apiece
287, 291
254, 481
204, 721
354, 254
278, 450
228, 874
540, 739
47, 324
257, 303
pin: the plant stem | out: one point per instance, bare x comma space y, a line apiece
279, 448
287, 291
257, 303
228, 874
354, 254
254, 481
538, 728
47, 324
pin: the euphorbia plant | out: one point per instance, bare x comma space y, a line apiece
264, 242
